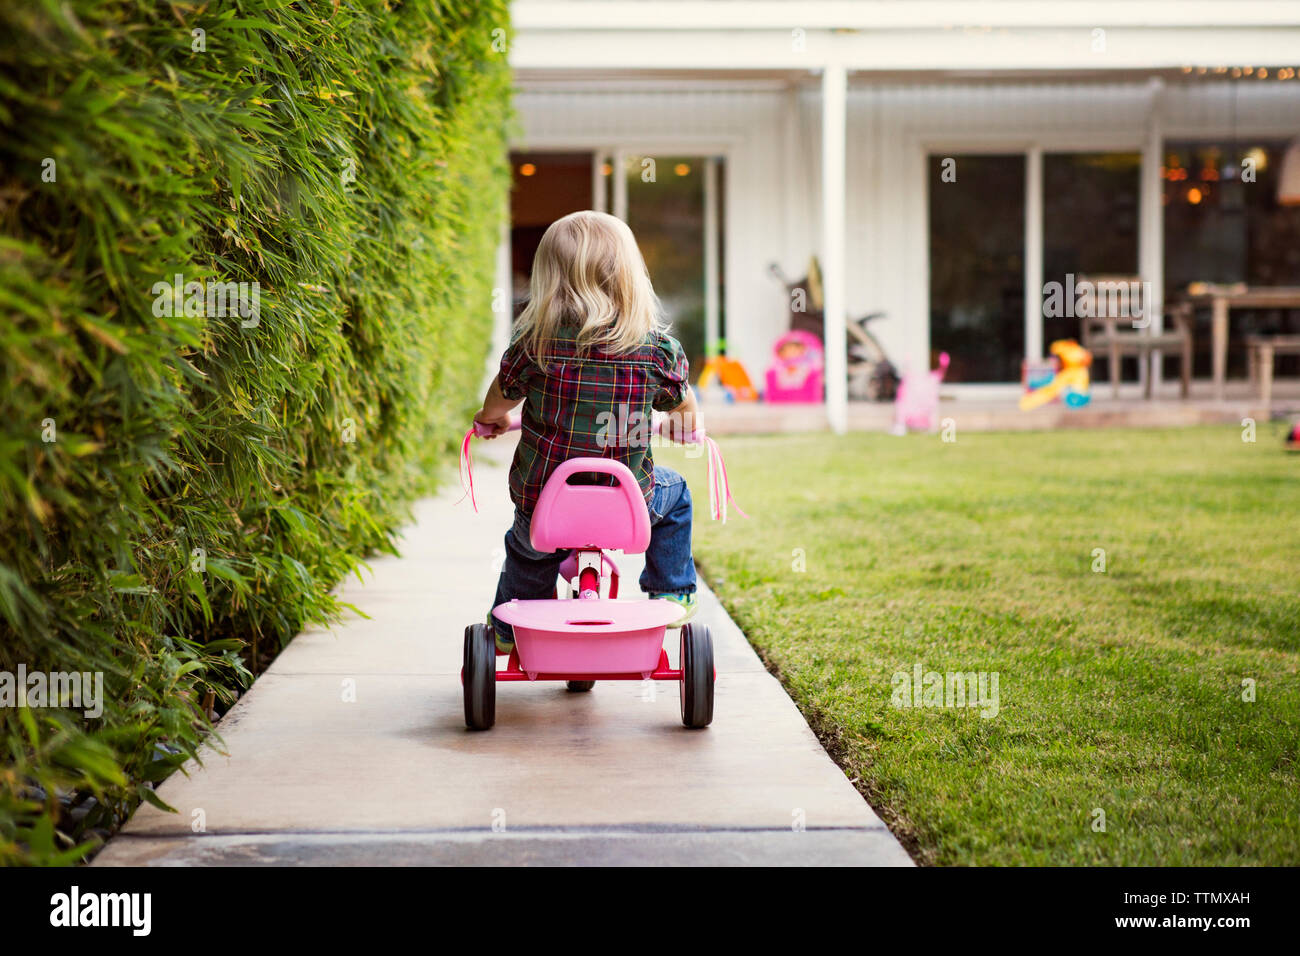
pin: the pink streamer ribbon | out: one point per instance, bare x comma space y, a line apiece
467, 470
719, 484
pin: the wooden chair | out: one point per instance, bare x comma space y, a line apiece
1108, 327
1261, 349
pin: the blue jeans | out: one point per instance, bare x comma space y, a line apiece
669, 567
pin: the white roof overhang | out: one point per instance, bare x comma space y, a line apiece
889, 36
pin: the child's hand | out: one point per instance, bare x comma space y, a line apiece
491, 427
683, 423
493, 419
674, 428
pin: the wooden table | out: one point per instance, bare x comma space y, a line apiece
1224, 298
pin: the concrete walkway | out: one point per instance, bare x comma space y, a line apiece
352, 749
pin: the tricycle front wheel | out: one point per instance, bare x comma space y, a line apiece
696, 688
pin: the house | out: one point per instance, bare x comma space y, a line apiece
944, 161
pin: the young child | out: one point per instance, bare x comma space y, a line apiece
589, 356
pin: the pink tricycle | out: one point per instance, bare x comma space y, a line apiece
581, 637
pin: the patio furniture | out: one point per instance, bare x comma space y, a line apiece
1223, 299
1262, 350
1110, 330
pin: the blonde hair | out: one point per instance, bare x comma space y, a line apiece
589, 271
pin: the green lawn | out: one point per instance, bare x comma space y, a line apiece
1120, 691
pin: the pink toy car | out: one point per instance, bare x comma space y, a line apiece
795, 374
580, 637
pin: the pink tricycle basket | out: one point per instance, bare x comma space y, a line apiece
596, 636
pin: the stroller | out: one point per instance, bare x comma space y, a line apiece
872, 377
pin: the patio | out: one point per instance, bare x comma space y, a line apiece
944, 183
995, 409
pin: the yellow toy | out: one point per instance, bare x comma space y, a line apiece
731, 376
1071, 382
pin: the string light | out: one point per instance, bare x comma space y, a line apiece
1237, 72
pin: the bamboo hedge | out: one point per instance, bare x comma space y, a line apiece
185, 477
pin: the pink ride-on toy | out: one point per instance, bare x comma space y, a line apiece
581, 637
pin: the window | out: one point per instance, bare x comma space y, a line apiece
1221, 227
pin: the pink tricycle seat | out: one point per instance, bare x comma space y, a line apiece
596, 636
591, 516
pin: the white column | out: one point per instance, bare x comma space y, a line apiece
502, 299
1151, 224
599, 194
1034, 253
834, 95
794, 249
712, 270
619, 159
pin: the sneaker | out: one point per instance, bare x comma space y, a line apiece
504, 644
687, 602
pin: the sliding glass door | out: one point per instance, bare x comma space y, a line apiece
668, 198
1090, 226
979, 223
977, 265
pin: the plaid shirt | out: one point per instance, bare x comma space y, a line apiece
596, 406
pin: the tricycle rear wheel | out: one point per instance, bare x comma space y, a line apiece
480, 677
696, 688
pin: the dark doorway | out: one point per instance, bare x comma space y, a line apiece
546, 186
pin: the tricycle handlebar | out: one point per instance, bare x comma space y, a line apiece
690, 438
